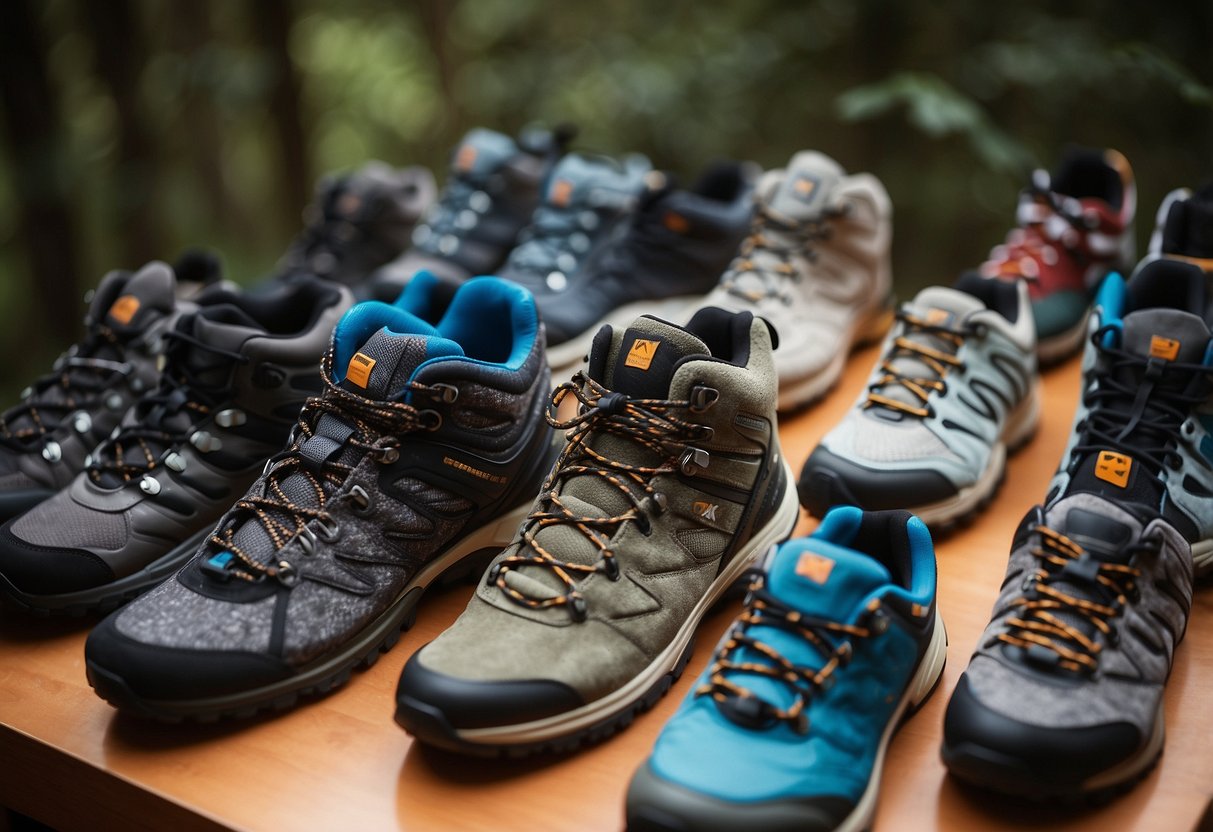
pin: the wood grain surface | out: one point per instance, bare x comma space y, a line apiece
340, 762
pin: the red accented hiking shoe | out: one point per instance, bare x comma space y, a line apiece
1074, 228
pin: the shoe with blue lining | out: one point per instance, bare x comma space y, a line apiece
838, 640
424, 450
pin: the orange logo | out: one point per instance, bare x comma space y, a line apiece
124, 309
676, 223
1114, 468
1164, 348
349, 204
562, 189
360, 368
936, 317
815, 567
641, 354
704, 509
466, 157
804, 187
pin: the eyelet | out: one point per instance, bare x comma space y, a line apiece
610, 566
361, 500
429, 419
703, 397
286, 573
449, 392
329, 531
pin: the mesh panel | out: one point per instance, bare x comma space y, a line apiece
881, 442
60, 521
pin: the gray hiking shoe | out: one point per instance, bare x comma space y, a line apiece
491, 191
670, 485
954, 393
236, 373
1064, 693
816, 265
426, 448
358, 222
585, 208
63, 415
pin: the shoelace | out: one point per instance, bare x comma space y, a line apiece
1039, 627
781, 239
455, 198
938, 362
376, 427
1142, 417
81, 377
550, 236
831, 639
180, 389
650, 423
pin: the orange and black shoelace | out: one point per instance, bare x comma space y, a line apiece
374, 427
939, 362
795, 237
652, 424
1057, 626
831, 639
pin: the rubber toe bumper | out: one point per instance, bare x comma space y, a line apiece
126, 672
988, 749
828, 480
45, 570
433, 706
655, 804
14, 503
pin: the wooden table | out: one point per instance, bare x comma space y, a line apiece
68, 760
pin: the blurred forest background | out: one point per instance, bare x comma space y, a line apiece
130, 129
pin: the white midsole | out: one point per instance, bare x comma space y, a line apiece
863, 330
929, 670
1133, 766
573, 721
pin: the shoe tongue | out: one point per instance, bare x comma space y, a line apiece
146, 296
814, 577
482, 152
1195, 219
1170, 334
383, 365
806, 187
938, 305
648, 353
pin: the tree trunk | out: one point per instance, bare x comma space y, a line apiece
40, 178
120, 52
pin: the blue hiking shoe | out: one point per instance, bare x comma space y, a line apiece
837, 641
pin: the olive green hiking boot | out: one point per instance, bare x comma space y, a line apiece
670, 485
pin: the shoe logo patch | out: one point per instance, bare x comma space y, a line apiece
1165, 348
676, 222
475, 472
562, 189
641, 354
1114, 468
124, 309
815, 567
938, 317
359, 371
804, 187
349, 204
705, 509
466, 157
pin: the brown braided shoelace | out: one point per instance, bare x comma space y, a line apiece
803, 235
376, 428
651, 424
1039, 627
940, 363
831, 639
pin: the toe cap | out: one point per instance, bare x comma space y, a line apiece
48, 570
829, 480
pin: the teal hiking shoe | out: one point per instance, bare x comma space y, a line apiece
838, 640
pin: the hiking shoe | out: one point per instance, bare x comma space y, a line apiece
670, 485
1146, 390
1063, 696
235, 374
426, 447
491, 191
1183, 229
1073, 228
358, 222
816, 265
1099, 584
44, 440
955, 391
586, 206
839, 639
668, 258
